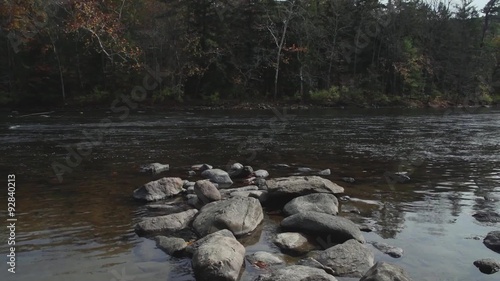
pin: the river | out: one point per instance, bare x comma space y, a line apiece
79, 226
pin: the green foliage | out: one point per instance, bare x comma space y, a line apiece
95, 97
327, 96
169, 94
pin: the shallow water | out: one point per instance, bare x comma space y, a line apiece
82, 228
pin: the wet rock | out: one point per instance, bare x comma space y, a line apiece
155, 168
190, 249
168, 208
316, 202
171, 245
228, 191
316, 264
301, 185
201, 167
304, 170
265, 258
219, 258
191, 173
392, 251
249, 181
487, 216
261, 174
281, 165
241, 215
350, 259
487, 266
190, 190
325, 172
237, 170
296, 273
383, 271
206, 191
366, 228
260, 195
187, 184
348, 179
218, 176
261, 183
293, 242
349, 209
492, 241
339, 228
168, 223
159, 189
345, 198
399, 177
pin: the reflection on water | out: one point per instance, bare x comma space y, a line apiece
82, 228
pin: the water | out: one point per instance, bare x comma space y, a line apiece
82, 228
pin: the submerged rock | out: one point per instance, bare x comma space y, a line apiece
492, 240
168, 223
487, 266
241, 215
218, 176
170, 245
339, 229
301, 185
487, 216
316, 202
159, 189
293, 242
265, 258
383, 271
350, 259
399, 177
155, 168
349, 179
296, 273
392, 251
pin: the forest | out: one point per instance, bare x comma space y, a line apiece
330, 52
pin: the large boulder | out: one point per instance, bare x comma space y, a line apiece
296, 273
169, 223
193, 247
219, 258
218, 176
487, 266
383, 271
316, 202
293, 242
159, 189
350, 259
240, 215
301, 185
339, 229
492, 240
206, 191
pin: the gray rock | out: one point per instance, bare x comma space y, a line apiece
190, 249
392, 251
190, 190
228, 191
187, 184
316, 264
265, 258
399, 177
167, 223
159, 189
350, 259
220, 258
191, 173
383, 271
206, 191
293, 242
261, 174
168, 208
487, 216
487, 266
170, 245
249, 181
339, 229
304, 169
260, 195
366, 228
155, 168
218, 176
296, 273
492, 240
301, 185
325, 172
201, 167
237, 170
348, 179
316, 202
261, 183
241, 215
236, 166
281, 165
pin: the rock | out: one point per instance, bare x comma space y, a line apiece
228, 191
167, 223
188, 184
236, 166
345, 198
219, 258
316, 264
492, 240
190, 249
316, 202
383, 271
349, 209
159, 189
281, 165
348, 179
218, 176
249, 181
260, 195
350, 259
339, 228
265, 258
201, 167
487, 216
487, 266
392, 251
237, 170
168, 208
206, 191
155, 168
399, 177
293, 242
366, 228
194, 201
170, 245
261, 174
261, 183
304, 170
190, 190
241, 215
301, 185
191, 173
325, 172
296, 273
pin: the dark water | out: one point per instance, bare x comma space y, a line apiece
82, 228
